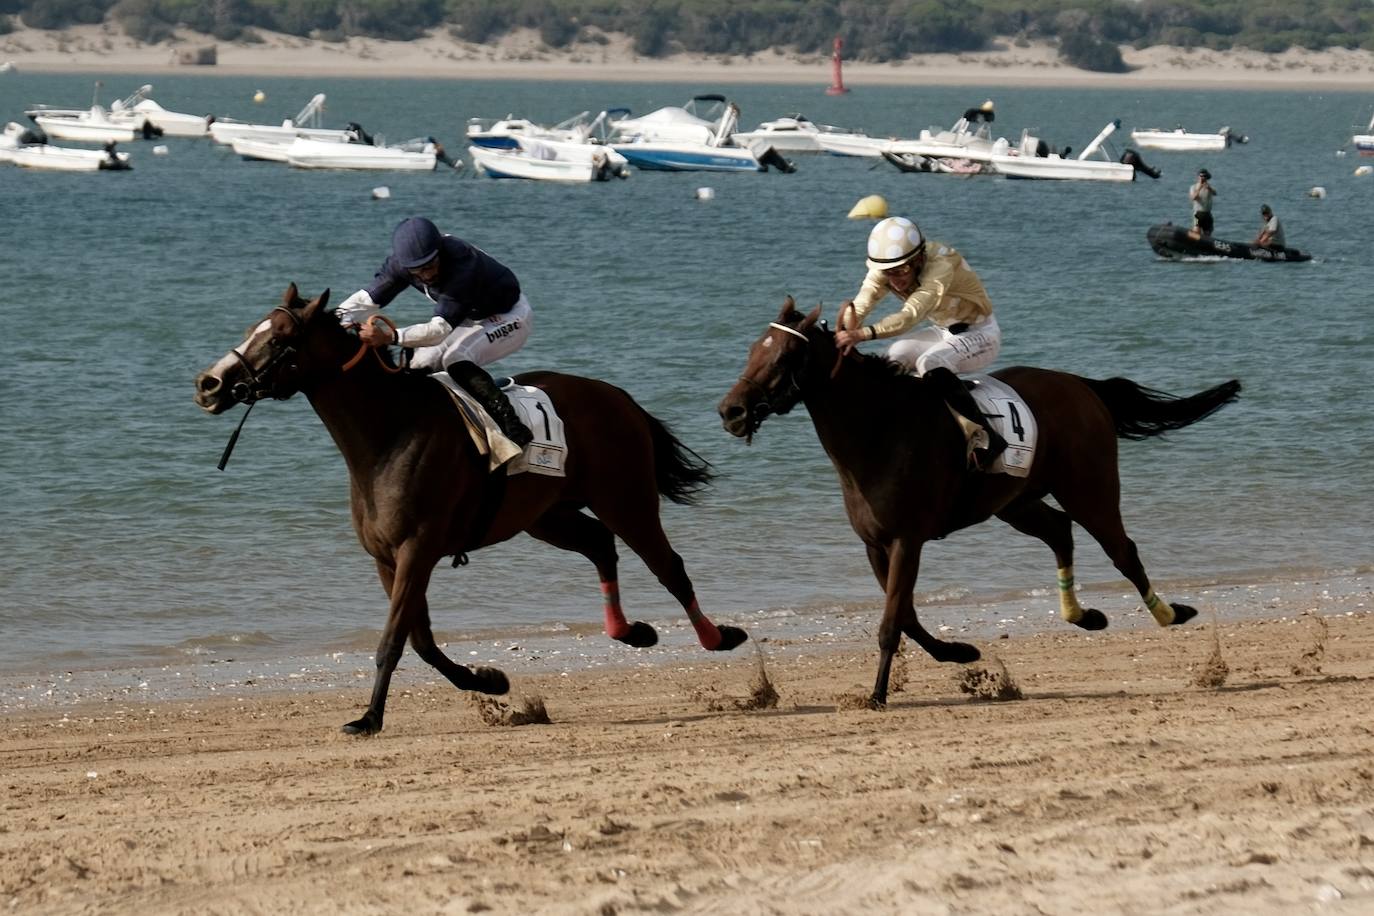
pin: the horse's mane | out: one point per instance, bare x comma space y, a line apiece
873, 365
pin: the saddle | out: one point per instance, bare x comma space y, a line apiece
548, 452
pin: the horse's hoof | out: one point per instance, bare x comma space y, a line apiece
1092, 619
959, 652
641, 636
877, 703
489, 680
364, 727
730, 638
1182, 614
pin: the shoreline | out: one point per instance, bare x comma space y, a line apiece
521, 56
1201, 769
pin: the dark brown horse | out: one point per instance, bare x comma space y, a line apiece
418, 481
900, 457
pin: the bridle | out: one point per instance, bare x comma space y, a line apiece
259, 384
788, 392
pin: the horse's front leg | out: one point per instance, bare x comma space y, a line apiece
407, 599
899, 615
480, 679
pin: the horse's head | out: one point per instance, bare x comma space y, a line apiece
772, 378
273, 359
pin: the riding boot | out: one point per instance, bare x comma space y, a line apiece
952, 389
476, 382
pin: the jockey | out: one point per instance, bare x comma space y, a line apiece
480, 314
935, 284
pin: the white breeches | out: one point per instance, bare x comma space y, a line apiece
479, 340
923, 350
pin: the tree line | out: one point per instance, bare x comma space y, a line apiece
1089, 32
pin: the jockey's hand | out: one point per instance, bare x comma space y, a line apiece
356, 309
377, 334
846, 340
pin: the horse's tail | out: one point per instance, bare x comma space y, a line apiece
680, 472
1141, 412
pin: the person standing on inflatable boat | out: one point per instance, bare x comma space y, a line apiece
480, 314
935, 284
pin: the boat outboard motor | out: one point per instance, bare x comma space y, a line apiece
1042, 149
442, 156
149, 130
361, 135
1132, 158
1064, 153
772, 157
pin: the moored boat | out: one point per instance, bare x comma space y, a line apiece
23, 148
545, 160
1175, 243
1180, 140
1058, 167
304, 124
422, 154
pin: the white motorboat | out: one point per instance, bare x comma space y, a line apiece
655, 149
1364, 143
505, 133
792, 134
260, 149
1083, 168
305, 124
140, 107
673, 123
21, 147
1179, 140
423, 154
95, 124
969, 138
857, 145
550, 160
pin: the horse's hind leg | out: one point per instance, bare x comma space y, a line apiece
568, 529
1101, 518
1055, 528
631, 512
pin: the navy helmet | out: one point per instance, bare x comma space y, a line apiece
415, 242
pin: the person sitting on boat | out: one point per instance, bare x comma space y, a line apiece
935, 285
480, 313
1271, 233
1201, 194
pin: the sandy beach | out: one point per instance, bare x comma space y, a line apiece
1197, 770
105, 49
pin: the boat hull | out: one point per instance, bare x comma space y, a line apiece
60, 159
856, 145
1178, 141
1170, 241
662, 157
319, 154
1053, 168
78, 130
496, 163
1364, 144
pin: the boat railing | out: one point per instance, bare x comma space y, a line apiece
309, 116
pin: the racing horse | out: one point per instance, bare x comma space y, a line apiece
901, 460
417, 480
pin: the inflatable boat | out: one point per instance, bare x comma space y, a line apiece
1170, 241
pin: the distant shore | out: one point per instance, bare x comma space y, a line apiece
521, 56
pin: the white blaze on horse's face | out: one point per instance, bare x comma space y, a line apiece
260, 334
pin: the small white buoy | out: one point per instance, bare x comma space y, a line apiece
160, 150
381, 193
874, 206
1364, 170
259, 96
1340, 153
1318, 192
706, 193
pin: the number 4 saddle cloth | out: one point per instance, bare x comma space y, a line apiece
1008, 414
545, 455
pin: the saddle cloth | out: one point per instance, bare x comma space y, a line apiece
1011, 417
545, 455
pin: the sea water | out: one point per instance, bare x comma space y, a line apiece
123, 545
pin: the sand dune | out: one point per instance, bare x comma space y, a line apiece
105, 49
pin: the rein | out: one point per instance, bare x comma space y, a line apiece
363, 348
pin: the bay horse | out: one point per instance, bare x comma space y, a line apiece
417, 481
901, 460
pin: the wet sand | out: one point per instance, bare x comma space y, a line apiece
1189, 770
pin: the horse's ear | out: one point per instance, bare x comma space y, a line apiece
789, 305
291, 296
314, 306
811, 319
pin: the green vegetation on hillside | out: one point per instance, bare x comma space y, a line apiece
1088, 31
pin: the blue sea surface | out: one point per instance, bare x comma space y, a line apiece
123, 544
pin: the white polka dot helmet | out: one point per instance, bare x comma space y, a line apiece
893, 242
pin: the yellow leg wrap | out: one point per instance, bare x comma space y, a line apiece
1159, 609
1069, 608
